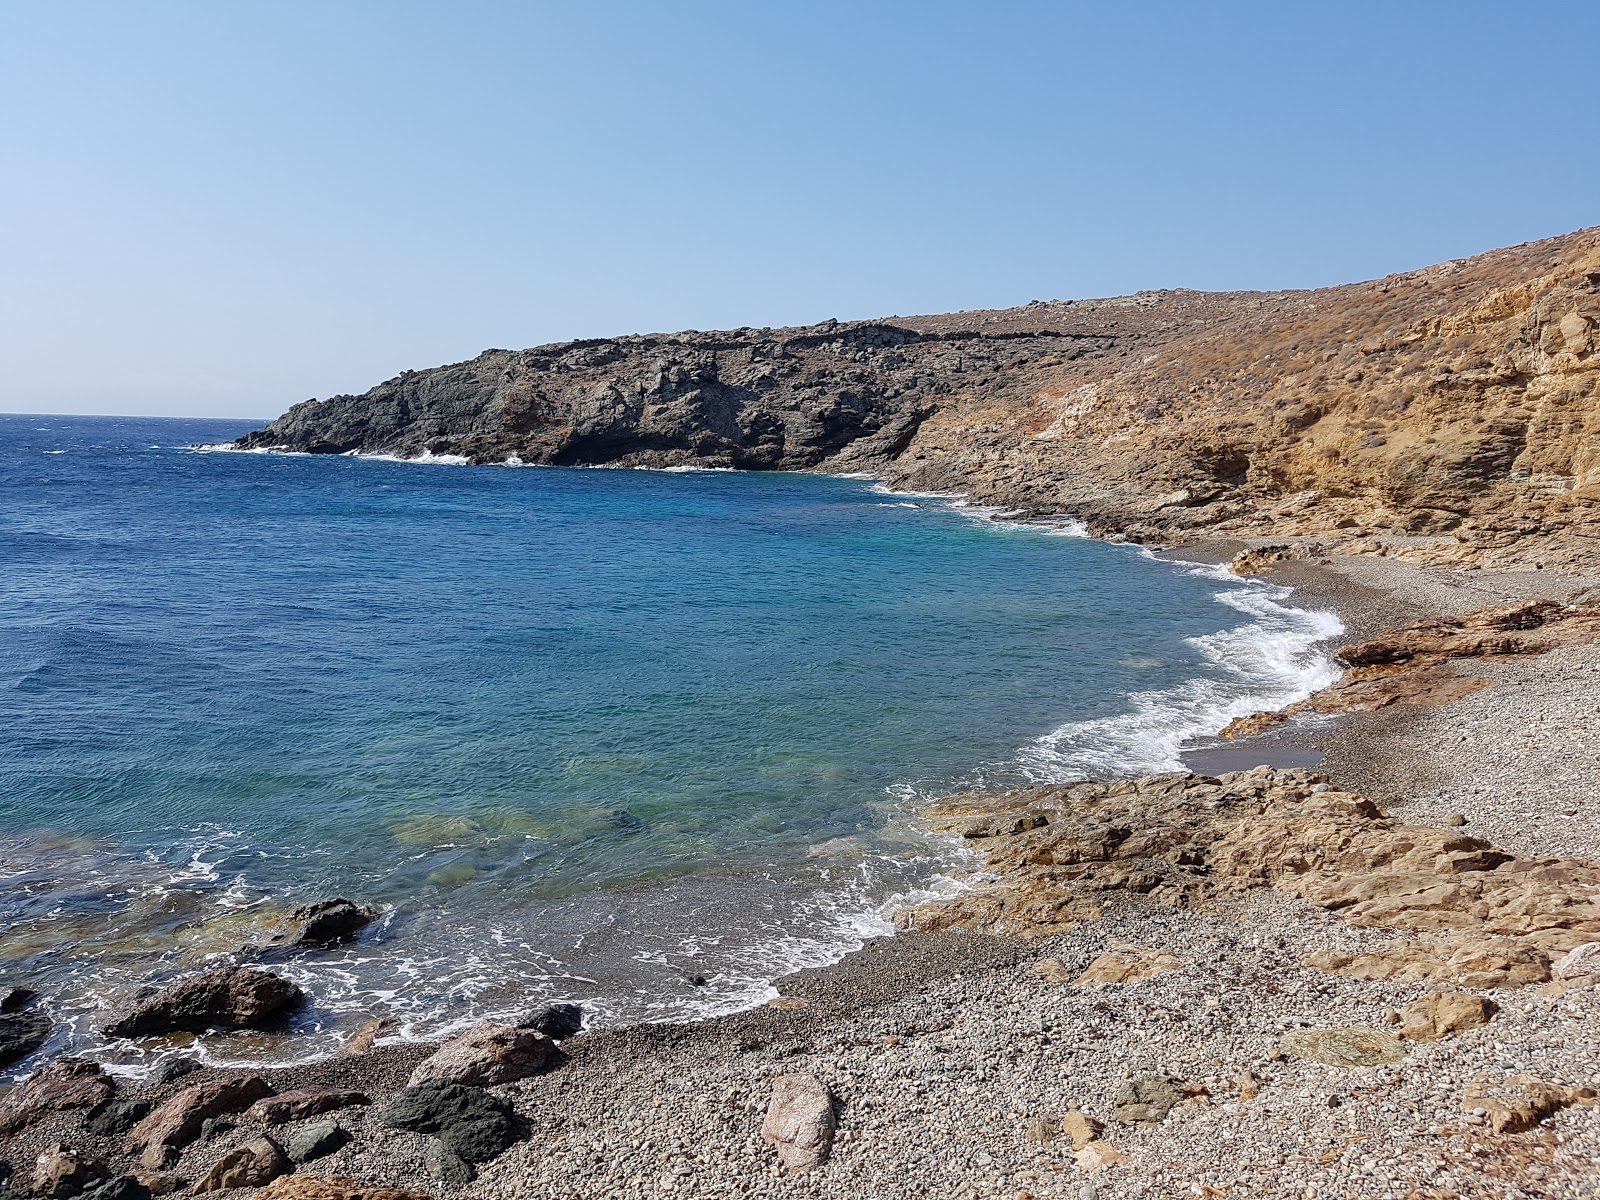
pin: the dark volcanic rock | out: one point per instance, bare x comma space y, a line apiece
113, 1118
226, 998
328, 922
15, 999
21, 1033
314, 1140
472, 1126
556, 1021
123, 1187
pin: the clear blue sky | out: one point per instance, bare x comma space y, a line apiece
224, 208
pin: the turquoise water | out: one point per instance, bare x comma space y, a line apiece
583, 733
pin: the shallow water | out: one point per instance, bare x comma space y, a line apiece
579, 733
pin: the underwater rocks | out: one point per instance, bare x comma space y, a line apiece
1486, 918
326, 923
226, 998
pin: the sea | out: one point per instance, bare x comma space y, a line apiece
643, 740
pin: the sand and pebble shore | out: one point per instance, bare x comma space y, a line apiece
957, 1060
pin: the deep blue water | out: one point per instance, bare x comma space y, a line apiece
577, 732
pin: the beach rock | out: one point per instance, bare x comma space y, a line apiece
326, 923
1350, 1046
1444, 1014
1147, 1099
557, 1021
489, 1054
445, 1165
333, 1187
799, 1122
1081, 1128
259, 1161
1127, 964
175, 1068
1097, 1156
15, 999
225, 998
120, 1187
113, 1118
213, 1127
61, 1171
301, 1103
1052, 970
314, 1140
177, 1121
21, 1033
1517, 1105
65, 1083
473, 1124
1041, 1130
1578, 963
366, 1035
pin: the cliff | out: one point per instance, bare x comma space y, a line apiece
1449, 414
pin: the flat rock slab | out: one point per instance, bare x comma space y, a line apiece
333, 1187
1350, 1046
301, 1103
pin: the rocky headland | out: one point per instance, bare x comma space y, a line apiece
1370, 978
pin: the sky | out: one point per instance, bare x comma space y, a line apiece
223, 209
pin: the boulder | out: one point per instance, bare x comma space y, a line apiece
1444, 1014
177, 1121
254, 1164
558, 1021
326, 923
799, 1122
1052, 970
1349, 1046
301, 1103
445, 1165
65, 1083
333, 1187
60, 1172
226, 998
1578, 963
314, 1140
15, 999
113, 1118
489, 1054
1127, 964
1147, 1099
21, 1033
120, 1187
473, 1124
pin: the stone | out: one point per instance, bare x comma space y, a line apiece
1349, 1046
213, 1127
489, 1054
1041, 1131
15, 999
799, 1122
1455, 820
21, 1031
60, 1171
1052, 970
1249, 1086
1519, 1104
174, 1069
445, 1165
177, 1121
557, 1021
63, 1084
113, 1118
326, 923
1147, 1099
1081, 1128
1444, 1014
225, 998
300, 1103
1127, 964
1578, 963
1097, 1156
473, 1124
333, 1187
121, 1187
315, 1139
254, 1164
367, 1034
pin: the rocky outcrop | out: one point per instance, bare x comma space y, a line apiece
1481, 917
325, 923
23, 1028
226, 998
1447, 414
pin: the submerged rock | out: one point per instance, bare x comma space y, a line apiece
226, 998
326, 923
799, 1123
22, 1031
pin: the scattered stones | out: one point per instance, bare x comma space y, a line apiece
326, 923
177, 1121
489, 1054
61, 1171
1521, 1103
1147, 1099
799, 1122
301, 1103
314, 1140
112, 1118
65, 1083
226, 998
1444, 1014
333, 1187
1127, 964
1578, 963
1081, 1128
558, 1021
259, 1161
1350, 1046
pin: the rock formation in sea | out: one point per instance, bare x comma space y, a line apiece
1456, 406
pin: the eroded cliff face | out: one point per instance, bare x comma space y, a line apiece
1452, 413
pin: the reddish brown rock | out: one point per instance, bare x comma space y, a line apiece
226, 998
301, 1103
173, 1124
65, 1083
259, 1161
61, 1172
488, 1054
